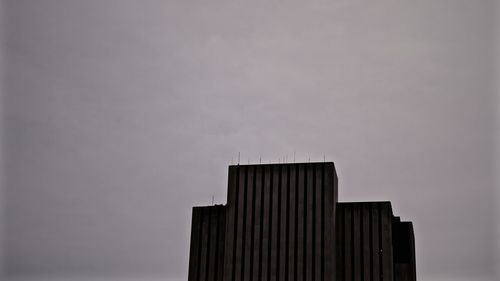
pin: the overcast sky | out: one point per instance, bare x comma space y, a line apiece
122, 115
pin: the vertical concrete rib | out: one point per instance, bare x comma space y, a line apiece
292, 229
318, 224
376, 262
330, 200
240, 233
212, 244
413, 265
257, 256
275, 226
221, 227
310, 223
195, 245
366, 253
357, 242
300, 223
266, 219
205, 227
230, 237
340, 242
348, 256
257, 245
387, 259
248, 229
283, 237
252, 222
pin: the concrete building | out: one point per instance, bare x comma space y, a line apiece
282, 222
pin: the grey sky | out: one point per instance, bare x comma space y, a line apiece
110, 107
2, 178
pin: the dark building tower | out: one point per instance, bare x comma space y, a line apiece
282, 222
372, 242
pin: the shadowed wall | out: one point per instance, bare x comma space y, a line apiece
372, 244
207, 243
279, 224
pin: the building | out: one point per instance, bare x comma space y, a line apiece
283, 222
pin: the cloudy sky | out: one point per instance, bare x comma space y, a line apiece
110, 107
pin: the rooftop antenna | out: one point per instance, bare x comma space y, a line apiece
293, 156
260, 160
213, 200
238, 157
248, 161
309, 159
324, 157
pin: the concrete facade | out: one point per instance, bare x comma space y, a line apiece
373, 244
282, 222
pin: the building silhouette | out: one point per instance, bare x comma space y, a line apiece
283, 222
